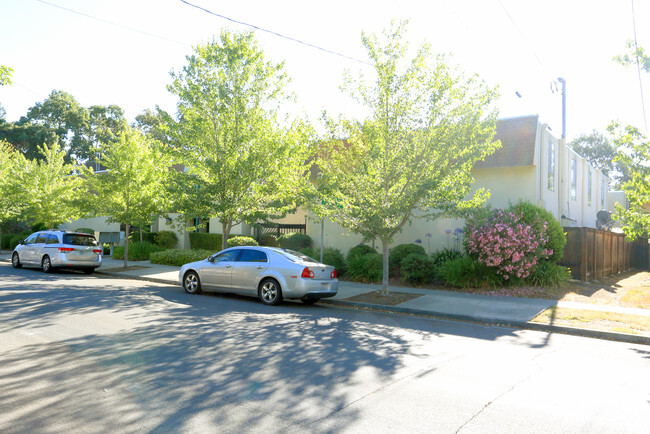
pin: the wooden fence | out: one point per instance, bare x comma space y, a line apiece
592, 253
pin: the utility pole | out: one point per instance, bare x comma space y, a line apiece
563, 81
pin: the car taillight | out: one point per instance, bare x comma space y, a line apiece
66, 249
307, 273
333, 274
98, 251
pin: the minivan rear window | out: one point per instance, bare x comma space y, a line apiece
79, 240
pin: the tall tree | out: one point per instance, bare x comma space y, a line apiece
633, 151
27, 138
153, 124
412, 157
601, 153
243, 164
12, 164
69, 120
635, 55
5, 75
132, 189
49, 189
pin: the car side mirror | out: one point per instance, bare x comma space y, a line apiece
210, 258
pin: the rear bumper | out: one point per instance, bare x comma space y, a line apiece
62, 262
311, 288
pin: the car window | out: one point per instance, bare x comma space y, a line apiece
41, 238
79, 240
31, 239
230, 255
294, 256
52, 239
252, 256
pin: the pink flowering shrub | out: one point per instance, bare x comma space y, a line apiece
506, 243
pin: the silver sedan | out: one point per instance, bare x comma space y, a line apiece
270, 273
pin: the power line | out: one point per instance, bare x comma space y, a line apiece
638, 68
522, 34
114, 24
298, 41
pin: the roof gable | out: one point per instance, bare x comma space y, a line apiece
517, 136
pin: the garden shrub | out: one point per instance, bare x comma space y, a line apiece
268, 240
441, 256
241, 241
178, 257
467, 272
548, 273
205, 241
507, 244
147, 237
366, 268
38, 227
360, 250
138, 251
15, 239
165, 239
88, 231
398, 253
331, 256
294, 241
534, 215
417, 268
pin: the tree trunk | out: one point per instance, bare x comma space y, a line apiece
140, 233
126, 245
384, 287
225, 231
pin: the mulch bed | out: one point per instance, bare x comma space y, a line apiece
392, 299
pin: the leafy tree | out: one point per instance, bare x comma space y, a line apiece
601, 153
131, 190
5, 75
61, 113
12, 163
49, 189
242, 164
27, 138
153, 124
634, 54
633, 150
412, 157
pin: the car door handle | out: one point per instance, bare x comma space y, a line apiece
259, 267
228, 266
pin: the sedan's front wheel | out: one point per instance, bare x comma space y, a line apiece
15, 261
191, 283
270, 292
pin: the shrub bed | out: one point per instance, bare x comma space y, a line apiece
331, 256
364, 264
417, 268
397, 255
179, 257
294, 241
165, 239
137, 251
268, 240
241, 241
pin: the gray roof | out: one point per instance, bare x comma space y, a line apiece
517, 136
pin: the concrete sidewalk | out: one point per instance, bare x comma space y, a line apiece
513, 312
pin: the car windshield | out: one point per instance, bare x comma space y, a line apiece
79, 240
294, 256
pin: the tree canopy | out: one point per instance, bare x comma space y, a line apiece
242, 163
413, 155
598, 149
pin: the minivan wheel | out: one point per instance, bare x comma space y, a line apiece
46, 264
15, 261
191, 283
270, 292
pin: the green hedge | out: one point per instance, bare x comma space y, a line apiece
166, 239
331, 256
206, 241
12, 240
241, 241
137, 251
179, 257
417, 268
269, 240
295, 241
397, 255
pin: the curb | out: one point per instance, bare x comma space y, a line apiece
588, 333
522, 325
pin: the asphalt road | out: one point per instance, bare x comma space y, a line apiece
94, 354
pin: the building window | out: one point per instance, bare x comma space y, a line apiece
551, 166
603, 194
574, 179
589, 187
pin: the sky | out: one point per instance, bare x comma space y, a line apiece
122, 51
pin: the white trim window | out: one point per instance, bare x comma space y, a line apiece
574, 180
589, 187
551, 166
603, 194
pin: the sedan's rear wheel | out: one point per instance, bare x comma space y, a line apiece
15, 261
46, 264
191, 283
309, 300
270, 292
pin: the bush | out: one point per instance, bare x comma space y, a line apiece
294, 241
166, 239
205, 241
268, 240
88, 231
38, 227
331, 256
139, 251
467, 272
241, 241
397, 255
360, 250
507, 244
549, 273
17, 238
366, 268
533, 214
147, 237
439, 257
417, 268
179, 257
